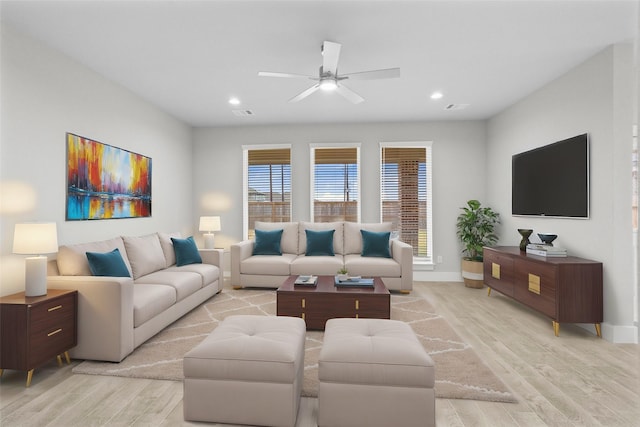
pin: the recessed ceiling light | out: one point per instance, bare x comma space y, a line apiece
436, 95
234, 101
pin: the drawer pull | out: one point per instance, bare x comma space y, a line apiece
357, 305
302, 316
495, 270
534, 283
303, 303
54, 332
57, 307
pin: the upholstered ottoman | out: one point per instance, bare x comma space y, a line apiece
249, 370
374, 372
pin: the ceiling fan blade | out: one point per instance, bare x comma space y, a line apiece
349, 94
389, 73
330, 55
305, 93
286, 75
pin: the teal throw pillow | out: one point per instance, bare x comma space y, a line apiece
319, 243
107, 264
375, 244
186, 251
268, 242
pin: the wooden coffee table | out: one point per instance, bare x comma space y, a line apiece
317, 304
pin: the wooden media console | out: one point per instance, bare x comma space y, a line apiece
567, 289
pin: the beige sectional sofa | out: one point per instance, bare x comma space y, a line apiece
118, 314
248, 270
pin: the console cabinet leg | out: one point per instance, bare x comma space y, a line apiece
556, 328
29, 376
488, 291
598, 330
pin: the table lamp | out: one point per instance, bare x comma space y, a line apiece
209, 224
35, 239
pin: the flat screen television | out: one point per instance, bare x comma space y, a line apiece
553, 180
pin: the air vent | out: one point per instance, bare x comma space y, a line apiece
243, 113
456, 106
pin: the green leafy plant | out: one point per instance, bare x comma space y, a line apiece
343, 271
475, 227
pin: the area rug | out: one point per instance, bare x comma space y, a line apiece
460, 373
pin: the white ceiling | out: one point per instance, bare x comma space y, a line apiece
189, 57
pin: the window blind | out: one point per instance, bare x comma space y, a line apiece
336, 195
404, 189
269, 186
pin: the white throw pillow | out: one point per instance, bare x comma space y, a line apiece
145, 254
167, 246
338, 236
72, 259
353, 238
289, 240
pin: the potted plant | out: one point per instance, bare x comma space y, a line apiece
343, 274
475, 227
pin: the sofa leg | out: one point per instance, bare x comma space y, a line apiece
405, 291
237, 287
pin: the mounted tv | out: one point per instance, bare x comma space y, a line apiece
553, 180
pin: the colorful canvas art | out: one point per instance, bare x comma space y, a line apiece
106, 182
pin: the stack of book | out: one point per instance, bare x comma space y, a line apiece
306, 280
354, 281
545, 250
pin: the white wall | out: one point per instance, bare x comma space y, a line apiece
45, 95
458, 173
596, 97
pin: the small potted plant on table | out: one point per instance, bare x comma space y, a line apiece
475, 228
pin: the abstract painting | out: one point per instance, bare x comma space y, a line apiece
105, 182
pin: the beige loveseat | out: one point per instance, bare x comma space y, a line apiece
118, 314
271, 270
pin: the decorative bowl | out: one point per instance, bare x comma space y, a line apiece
547, 238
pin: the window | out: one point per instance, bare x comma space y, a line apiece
335, 184
405, 194
267, 189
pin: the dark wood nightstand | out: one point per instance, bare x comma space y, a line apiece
35, 329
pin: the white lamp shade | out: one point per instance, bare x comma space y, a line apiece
209, 223
35, 238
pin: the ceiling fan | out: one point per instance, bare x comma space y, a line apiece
328, 78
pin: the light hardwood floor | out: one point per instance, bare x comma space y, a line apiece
572, 380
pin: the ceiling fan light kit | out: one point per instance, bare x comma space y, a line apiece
328, 85
328, 78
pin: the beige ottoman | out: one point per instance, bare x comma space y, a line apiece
249, 370
374, 372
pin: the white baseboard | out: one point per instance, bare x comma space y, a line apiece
619, 334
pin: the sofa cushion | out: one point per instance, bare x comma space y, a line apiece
167, 247
289, 240
338, 235
319, 265
319, 243
186, 251
375, 244
268, 265
185, 283
72, 259
107, 264
268, 242
145, 254
209, 273
372, 266
151, 300
353, 237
